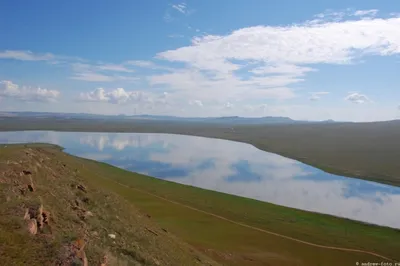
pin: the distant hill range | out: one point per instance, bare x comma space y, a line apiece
217, 120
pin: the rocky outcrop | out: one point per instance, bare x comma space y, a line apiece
32, 226
38, 216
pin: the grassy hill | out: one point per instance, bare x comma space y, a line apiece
157, 222
82, 219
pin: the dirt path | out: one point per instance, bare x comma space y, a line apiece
256, 228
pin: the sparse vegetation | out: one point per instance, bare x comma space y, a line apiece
76, 222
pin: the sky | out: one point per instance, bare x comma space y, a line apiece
313, 60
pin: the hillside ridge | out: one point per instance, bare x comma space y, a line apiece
51, 215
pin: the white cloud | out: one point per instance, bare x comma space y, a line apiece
341, 15
31, 56
116, 96
371, 12
113, 67
140, 63
101, 72
182, 8
275, 57
147, 64
121, 96
8, 89
88, 76
282, 69
203, 85
329, 15
96, 72
96, 77
315, 96
356, 97
331, 42
247, 66
26, 56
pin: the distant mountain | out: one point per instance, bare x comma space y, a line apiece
233, 120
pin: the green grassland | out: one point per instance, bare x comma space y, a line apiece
362, 150
190, 214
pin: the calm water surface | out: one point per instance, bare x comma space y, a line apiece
230, 167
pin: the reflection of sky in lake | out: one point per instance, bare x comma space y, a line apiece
231, 167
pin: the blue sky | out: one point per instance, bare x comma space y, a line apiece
303, 59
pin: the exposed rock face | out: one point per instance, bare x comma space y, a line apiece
40, 216
31, 187
46, 217
27, 215
32, 226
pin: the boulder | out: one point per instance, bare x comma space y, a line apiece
32, 226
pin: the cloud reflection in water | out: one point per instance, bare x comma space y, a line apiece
231, 167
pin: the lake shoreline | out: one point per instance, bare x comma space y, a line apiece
358, 150
229, 167
149, 194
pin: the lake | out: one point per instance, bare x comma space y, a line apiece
230, 167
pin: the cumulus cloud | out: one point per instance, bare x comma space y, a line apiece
115, 96
330, 42
358, 98
275, 57
8, 89
315, 96
121, 96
